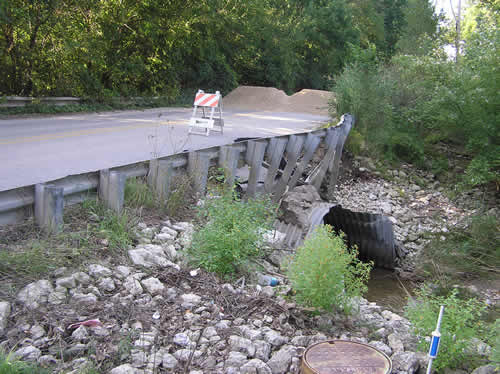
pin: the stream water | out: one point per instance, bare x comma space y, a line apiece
387, 290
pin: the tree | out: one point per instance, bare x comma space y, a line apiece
420, 28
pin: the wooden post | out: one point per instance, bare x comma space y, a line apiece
198, 163
275, 154
317, 175
49, 205
160, 177
335, 165
312, 143
228, 160
293, 151
112, 189
258, 148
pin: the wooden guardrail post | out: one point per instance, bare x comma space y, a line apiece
319, 173
112, 189
293, 150
274, 155
335, 165
198, 163
228, 160
256, 150
160, 177
49, 205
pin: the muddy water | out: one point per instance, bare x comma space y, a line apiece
387, 290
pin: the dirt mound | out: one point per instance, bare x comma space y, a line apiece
269, 98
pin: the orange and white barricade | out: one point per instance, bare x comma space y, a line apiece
209, 119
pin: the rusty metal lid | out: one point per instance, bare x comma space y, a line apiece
342, 356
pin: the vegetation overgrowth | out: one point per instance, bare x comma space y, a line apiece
102, 50
422, 108
230, 233
473, 249
461, 328
325, 274
11, 365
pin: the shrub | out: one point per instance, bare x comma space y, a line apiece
474, 249
408, 108
325, 273
459, 325
232, 233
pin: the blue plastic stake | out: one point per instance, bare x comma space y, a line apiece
436, 337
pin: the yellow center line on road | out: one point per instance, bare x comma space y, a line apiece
70, 134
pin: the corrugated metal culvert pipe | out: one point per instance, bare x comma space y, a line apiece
373, 234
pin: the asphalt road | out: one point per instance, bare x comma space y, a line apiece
42, 149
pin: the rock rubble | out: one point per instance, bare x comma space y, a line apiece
158, 315
155, 314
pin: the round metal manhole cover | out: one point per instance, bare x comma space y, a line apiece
341, 356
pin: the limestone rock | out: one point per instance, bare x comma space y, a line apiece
28, 353
281, 360
133, 286
236, 359
4, 315
107, 284
487, 369
150, 255
405, 362
190, 300
98, 271
169, 361
296, 204
243, 345
35, 293
274, 338
66, 282
125, 369
84, 298
255, 366
153, 286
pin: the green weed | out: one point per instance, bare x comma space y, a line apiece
116, 228
180, 195
461, 323
474, 249
326, 274
11, 365
138, 194
230, 235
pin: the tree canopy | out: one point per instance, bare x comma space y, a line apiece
97, 48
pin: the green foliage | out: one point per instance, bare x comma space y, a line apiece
116, 228
461, 323
495, 343
10, 365
474, 249
35, 259
139, 194
355, 142
412, 107
325, 274
180, 195
154, 48
232, 232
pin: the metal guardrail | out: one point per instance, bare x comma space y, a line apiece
46, 201
16, 101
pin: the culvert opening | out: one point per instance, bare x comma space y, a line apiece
373, 234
